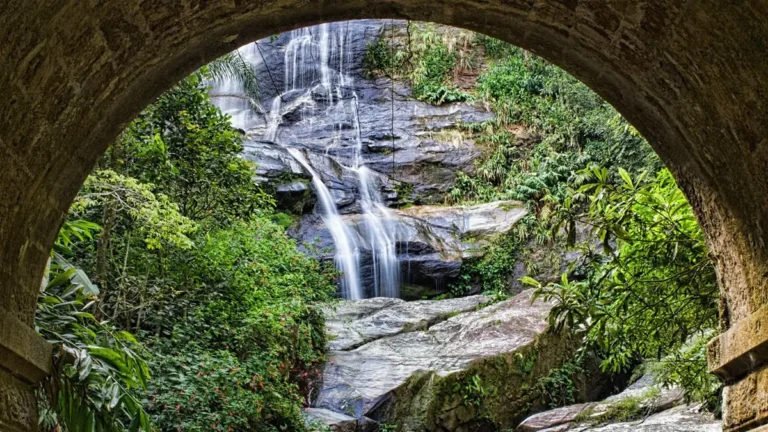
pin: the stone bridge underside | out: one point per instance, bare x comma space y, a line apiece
691, 75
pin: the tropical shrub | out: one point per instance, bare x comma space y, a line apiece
225, 309
649, 291
97, 368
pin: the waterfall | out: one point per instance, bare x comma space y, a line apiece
378, 218
297, 53
316, 62
386, 267
273, 119
347, 256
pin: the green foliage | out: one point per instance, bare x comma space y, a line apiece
153, 217
387, 427
687, 368
72, 231
246, 339
187, 149
431, 77
489, 272
380, 60
526, 363
404, 192
649, 288
192, 259
96, 368
495, 48
569, 127
214, 390
282, 219
524, 89
423, 59
471, 391
234, 66
558, 387
255, 278
174, 175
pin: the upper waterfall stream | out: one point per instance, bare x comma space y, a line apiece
316, 77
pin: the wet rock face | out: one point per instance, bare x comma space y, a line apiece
355, 323
379, 346
416, 146
432, 241
316, 99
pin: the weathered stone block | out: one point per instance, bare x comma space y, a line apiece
746, 403
741, 349
22, 351
18, 407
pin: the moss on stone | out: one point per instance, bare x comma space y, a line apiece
492, 393
622, 410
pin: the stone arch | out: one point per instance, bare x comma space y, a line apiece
692, 76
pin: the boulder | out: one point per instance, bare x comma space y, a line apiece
422, 366
337, 422
433, 241
684, 418
279, 172
654, 408
556, 418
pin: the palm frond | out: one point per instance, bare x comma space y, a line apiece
233, 66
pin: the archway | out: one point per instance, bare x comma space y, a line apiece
691, 77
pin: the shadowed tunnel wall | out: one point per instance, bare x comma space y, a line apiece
690, 75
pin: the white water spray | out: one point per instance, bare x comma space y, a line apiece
320, 61
347, 254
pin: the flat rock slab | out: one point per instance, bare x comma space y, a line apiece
558, 418
670, 415
685, 418
480, 222
355, 323
356, 380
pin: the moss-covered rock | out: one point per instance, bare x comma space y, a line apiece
491, 394
458, 370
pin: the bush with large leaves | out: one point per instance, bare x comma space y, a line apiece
236, 359
649, 290
189, 260
97, 368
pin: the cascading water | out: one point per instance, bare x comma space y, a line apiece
381, 233
316, 66
386, 266
347, 255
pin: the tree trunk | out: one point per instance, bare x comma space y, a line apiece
102, 264
114, 162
